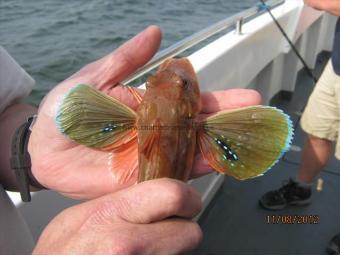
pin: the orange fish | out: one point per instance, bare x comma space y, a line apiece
160, 138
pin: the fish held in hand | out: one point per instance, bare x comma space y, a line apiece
159, 138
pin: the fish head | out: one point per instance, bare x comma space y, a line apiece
176, 82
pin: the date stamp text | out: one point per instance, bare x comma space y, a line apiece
292, 219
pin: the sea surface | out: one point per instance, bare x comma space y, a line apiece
53, 39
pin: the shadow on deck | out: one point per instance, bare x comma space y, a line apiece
235, 224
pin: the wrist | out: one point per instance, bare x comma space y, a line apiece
21, 161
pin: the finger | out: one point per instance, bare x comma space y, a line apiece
152, 201
123, 94
227, 99
174, 236
113, 68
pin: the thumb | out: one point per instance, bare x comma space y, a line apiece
114, 67
148, 202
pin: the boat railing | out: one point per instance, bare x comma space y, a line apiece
234, 21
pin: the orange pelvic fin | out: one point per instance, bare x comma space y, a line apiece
124, 162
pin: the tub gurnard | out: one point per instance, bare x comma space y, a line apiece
159, 139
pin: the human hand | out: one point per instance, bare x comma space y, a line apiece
81, 172
331, 6
152, 217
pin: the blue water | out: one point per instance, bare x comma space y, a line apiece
53, 39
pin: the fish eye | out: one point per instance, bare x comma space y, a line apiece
185, 83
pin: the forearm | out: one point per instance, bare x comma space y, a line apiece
12, 117
331, 6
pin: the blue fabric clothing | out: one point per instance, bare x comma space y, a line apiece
336, 49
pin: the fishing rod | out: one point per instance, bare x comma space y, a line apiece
283, 32
309, 71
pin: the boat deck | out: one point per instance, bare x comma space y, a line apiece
234, 223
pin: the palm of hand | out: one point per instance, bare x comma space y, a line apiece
81, 172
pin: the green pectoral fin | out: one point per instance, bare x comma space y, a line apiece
245, 142
94, 119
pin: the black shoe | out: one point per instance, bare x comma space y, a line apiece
334, 245
289, 194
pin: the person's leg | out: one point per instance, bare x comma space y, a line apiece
320, 121
315, 155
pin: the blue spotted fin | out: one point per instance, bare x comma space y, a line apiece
89, 117
246, 142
